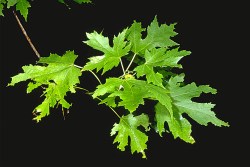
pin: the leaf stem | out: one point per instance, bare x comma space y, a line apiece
130, 63
26, 35
82, 89
78, 66
116, 113
100, 100
122, 66
91, 72
96, 76
111, 109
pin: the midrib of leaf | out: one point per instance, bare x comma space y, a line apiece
149, 43
143, 47
184, 93
147, 66
111, 56
136, 140
66, 74
49, 96
56, 62
59, 92
155, 62
130, 86
135, 43
154, 76
53, 72
116, 50
143, 153
103, 47
194, 109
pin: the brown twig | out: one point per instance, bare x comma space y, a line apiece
26, 35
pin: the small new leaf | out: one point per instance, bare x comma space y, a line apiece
128, 128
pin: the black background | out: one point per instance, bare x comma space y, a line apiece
211, 30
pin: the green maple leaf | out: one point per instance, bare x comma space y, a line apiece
187, 92
200, 112
132, 96
133, 93
182, 103
157, 36
128, 128
58, 77
112, 55
159, 58
179, 126
22, 6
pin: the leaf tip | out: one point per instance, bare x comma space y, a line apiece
9, 84
226, 124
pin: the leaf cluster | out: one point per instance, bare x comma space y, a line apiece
146, 58
156, 55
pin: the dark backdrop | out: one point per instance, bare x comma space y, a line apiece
210, 30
